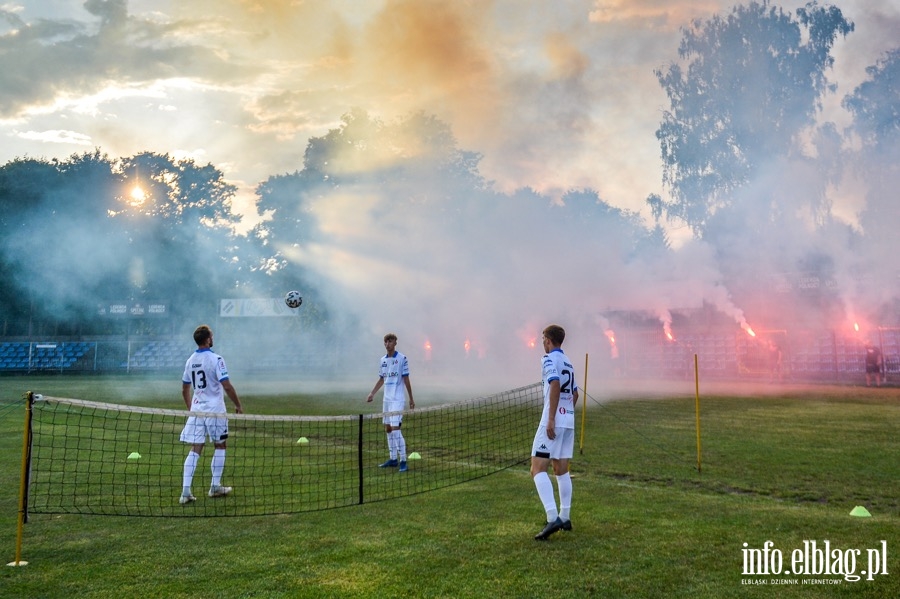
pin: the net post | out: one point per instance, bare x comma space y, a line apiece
697, 409
23, 484
359, 458
583, 407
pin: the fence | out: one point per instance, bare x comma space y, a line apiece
814, 355
802, 355
136, 355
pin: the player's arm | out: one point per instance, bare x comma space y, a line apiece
232, 395
554, 405
375, 389
187, 392
575, 397
412, 403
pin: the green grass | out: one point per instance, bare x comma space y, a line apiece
783, 468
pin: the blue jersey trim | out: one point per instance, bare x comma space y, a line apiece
559, 349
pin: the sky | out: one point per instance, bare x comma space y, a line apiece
555, 96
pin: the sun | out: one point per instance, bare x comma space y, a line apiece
138, 195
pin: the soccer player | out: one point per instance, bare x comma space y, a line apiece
203, 387
394, 377
873, 364
554, 441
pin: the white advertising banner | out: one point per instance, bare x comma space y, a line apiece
254, 307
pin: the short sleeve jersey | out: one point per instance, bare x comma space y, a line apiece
393, 369
873, 356
556, 366
204, 371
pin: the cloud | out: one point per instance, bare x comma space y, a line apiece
57, 136
52, 59
554, 96
658, 12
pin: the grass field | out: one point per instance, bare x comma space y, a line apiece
786, 465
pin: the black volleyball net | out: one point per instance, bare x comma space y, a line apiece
97, 458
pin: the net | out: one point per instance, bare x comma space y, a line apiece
108, 459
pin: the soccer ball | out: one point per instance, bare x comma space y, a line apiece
293, 299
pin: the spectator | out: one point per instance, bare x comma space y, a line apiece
874, 364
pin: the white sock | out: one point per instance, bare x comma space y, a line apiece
564, 484
545, 491
392, 445
401, 445
217, 466
190, 464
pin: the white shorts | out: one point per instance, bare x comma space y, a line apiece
198, 428
560, 448
392, 419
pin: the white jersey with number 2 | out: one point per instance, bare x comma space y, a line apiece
393, 369
555, 366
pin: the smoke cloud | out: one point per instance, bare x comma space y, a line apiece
554, 98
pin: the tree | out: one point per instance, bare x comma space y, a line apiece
413, 162
75, 234
181, 216
752, 84
622, 231
24, 185
875, 105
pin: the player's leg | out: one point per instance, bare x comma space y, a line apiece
544, 487
540, 460
392, 462
564, 487
218, 429
190, 466
217, 465
400, 444
192, 433
566, 447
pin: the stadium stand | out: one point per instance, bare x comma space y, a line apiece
160, 355
722, 352
42, 355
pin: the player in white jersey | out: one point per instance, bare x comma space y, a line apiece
204, 385
554, 441
393, 375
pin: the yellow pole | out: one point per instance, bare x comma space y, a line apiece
697, 408
29, 398
583, 406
